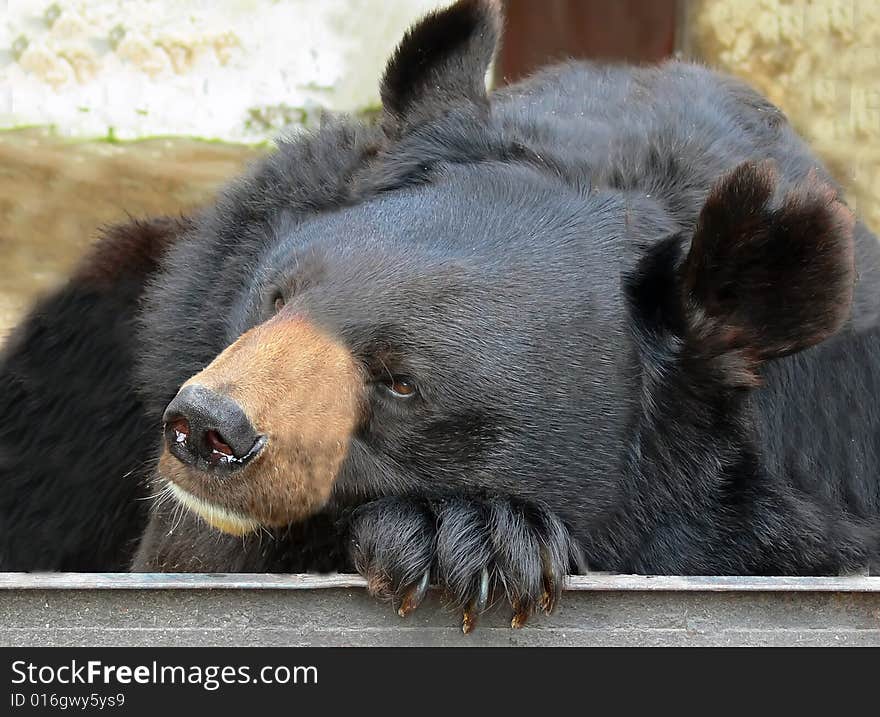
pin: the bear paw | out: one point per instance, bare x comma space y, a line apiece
473, 549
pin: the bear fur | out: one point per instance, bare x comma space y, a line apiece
641, 326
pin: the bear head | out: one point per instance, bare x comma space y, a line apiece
460, 315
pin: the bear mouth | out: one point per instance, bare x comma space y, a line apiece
223, 519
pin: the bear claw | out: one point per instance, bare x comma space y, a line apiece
471, 548
414, 596
520, 617
552, 585
477, 605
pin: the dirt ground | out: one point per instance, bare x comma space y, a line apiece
55, 194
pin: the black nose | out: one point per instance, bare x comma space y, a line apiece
206, 429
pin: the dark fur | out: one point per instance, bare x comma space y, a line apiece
626, 298
441, 61
75, 442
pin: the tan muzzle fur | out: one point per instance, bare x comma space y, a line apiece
302, 390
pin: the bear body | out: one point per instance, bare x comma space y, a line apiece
75, 440
609, 318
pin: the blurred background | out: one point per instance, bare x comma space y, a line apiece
117, 108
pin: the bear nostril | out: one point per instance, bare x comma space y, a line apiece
216, 445
181, 430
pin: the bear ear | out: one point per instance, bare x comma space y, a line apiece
441, 61
767, 273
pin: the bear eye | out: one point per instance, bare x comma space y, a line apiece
278, 302
399, 387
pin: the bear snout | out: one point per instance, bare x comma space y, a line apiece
257, 438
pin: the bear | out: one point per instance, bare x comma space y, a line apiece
609, 318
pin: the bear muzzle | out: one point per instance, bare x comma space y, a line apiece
258, 437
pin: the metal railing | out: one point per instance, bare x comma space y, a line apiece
598, 609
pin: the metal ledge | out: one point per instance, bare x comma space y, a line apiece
262, 581
300, 610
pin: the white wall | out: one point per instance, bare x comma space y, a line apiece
235, 70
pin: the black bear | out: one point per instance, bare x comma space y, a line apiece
608, 318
